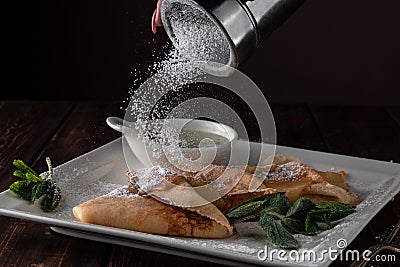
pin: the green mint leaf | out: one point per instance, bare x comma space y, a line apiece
300, 226
52, 198
331, 205
274, 214
23, 167
321, 216
276, 233
295, 226
334, 210
19, 174
300, 207
33, 178
37, 191
23, 189
248, 206
33, 186
310, 226
340, 214
278, 203
27, 190
259, 198
249, 218
244, 210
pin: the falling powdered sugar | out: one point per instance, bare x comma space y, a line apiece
196, 38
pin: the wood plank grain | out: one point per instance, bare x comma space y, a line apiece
82, 131
25, 127
32, 244
124, 256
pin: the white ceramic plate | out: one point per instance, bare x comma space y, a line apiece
103, 169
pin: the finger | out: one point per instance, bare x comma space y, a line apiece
157, 20
153, 22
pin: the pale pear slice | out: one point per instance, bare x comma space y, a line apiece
334, 191
292, 177
335, 178
293, 190
279, 159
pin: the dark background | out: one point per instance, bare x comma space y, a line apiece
328, 52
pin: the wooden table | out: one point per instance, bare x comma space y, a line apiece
63, 130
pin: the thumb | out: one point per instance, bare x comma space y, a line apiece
156, 18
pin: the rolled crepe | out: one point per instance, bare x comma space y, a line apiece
231, 183
126, 210
225, 187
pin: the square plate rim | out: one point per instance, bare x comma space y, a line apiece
138, 236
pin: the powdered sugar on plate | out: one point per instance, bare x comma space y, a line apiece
292, 170
148, 178
122, 192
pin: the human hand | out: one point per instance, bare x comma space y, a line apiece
156, 18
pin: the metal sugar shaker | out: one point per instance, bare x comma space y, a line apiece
245, 24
